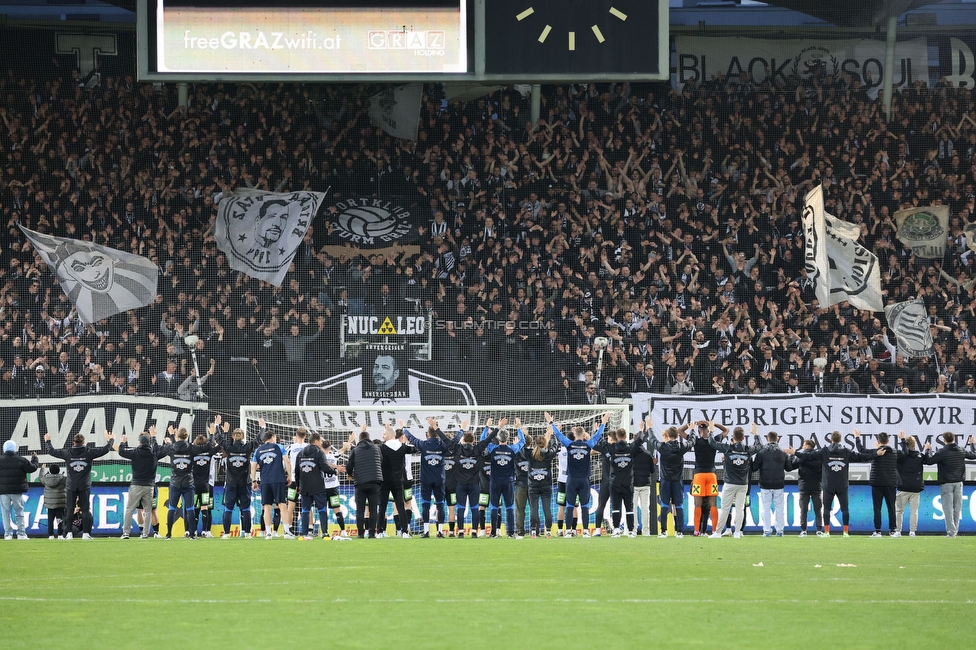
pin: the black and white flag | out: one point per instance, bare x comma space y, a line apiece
397, 110
261, 231
99, 281
841, 268
924, 230
909, 321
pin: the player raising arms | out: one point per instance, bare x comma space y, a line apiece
311, 470
578, 469
237, 456
275, 475
704, 483
394, 453
432, 452
502, 456
181, 455
672, 452
468, 457
539, 472
738, 463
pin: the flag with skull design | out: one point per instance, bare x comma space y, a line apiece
99, 281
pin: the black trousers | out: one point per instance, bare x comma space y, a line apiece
886, 494
52, 514
386, 489
367, 506
83, 500
805, 499
828, 502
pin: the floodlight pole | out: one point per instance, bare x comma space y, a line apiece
889, 70
536, 105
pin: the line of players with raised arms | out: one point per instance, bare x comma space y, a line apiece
464, 475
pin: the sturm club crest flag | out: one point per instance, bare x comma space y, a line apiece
909, 321
99, 281
924, 230
841, 268
397, 110
261, 231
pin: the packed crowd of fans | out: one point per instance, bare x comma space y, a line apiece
665, 220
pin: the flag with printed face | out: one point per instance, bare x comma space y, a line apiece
841, 268
260, 232
924, 230
909, 321
397, 110
99, 281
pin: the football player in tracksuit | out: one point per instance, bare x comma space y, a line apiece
810, 486
738, 465
672, 452
561, 461
502, 456
578, 470
394, 454
311, 469
78, 461
836, 475
539, 475
181, 455
237, 491
484, 494
294, 449
202, 485
432, 452
450, 488
332, 492
468, 456
620, 455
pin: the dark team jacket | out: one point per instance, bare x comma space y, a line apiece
432, 452
810, 476
365, 463
468, 457
704, 456
738, 458
502, 458
884, 468
836, 464
951, 461
78, 461
621, 455
181, 455
312, 470
909, 469
672, 455
238, 459
144, 461
539, 471
201, 464
393, 462
578, 453
643, 468
772, 463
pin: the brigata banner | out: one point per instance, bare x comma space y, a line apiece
800, 417
27, 421
108, 506
701, 58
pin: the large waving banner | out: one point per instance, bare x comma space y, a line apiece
701, 58
800, 417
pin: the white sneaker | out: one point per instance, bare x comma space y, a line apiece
381, 535
225, 536
86, 536
586, 533
715, 536
727, 532
875, 534
8, 538
632, 533
803, 533
405, 535
69, 536
50, 536
616, 533
662, 535
307, 538
736, 535
519, 536
896, 533
22, 537
679, 535
289, 535
911, 534
268, 536
277, 535
341, 538
207, 534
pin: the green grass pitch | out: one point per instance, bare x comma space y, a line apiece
566, 593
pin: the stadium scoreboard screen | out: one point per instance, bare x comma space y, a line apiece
402, 40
